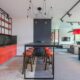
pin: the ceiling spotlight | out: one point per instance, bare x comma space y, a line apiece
69, 14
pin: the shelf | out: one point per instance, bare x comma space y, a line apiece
6, 34
5, 27
5, 21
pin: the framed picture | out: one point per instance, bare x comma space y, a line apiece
65, 38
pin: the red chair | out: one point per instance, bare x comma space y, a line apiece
29, 57
48, 56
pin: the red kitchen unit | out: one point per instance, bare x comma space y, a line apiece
7, 52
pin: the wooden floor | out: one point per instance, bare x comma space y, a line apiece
67, 67
13, 69
39, 70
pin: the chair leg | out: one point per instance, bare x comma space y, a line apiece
31, 67
23, 69
31, 62
26, 62
45, 63
33, 59
49, 61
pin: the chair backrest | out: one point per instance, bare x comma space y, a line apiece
48, 51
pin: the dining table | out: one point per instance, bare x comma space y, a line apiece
37, 44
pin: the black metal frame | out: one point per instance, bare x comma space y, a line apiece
67, 13
38, 45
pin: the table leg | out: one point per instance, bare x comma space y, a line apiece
23, 65
53, 63
79, 54
23, 68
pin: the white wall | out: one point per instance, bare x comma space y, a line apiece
23, 28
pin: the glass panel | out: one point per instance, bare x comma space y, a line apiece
10, 20
9, 26
10, 32
0, 29
56, 36
6, 18
3, 30
6, 31
2, 23
6, 25
2, 16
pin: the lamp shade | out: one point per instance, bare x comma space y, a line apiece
76, 31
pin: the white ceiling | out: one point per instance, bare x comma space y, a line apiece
18, 8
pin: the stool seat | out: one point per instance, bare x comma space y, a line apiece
48, 52
29, 57
28, 54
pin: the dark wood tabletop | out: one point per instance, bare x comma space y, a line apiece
43, 44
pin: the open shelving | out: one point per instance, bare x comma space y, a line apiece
5, 23
8, 41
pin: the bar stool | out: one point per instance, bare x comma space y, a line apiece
29, 57
48, 56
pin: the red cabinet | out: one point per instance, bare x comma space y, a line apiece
7, 52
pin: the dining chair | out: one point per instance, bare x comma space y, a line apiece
48, 56
29, 58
